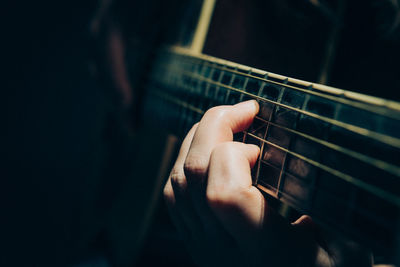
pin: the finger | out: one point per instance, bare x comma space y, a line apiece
176, 195
217, 125
176, 176
190, 224
233, 171
230, 193
175, 216
243, 210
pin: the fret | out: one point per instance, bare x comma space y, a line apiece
229, 85
201, 85
266, 111
217, 97
260, 129
262, 85
195, 84
203, 70
208, 77
312, 170
243, 87
270, 173
282, 159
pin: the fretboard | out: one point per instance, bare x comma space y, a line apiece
329, 153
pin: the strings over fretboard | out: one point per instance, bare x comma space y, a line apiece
329, 153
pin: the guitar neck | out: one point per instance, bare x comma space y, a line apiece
329, 153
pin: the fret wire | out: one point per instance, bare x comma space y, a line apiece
359, 105
351, 203
210, 75
177, 79
202, 73
367, 159
356, 182
262, 85
265, 134
221, 74
279, 100
389, 140
229, 91
258, 164
246, 81
298, 117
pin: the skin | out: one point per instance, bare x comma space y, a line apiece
224, 220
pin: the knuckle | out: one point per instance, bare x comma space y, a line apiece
226, 197
218, 197
168, 193
223, 152
217, 112
195, 166
225, 149
178, 179
194, 126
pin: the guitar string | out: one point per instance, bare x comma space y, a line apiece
367, 159
375, 162
342, 226
359, 105
326, 91
274, 191
356, 182
395, 170
389, 140
270, 190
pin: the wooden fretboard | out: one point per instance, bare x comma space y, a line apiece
329, 153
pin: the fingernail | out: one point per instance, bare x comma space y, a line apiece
249, 104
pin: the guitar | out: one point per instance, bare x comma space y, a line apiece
327, 152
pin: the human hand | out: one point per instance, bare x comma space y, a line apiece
224, 219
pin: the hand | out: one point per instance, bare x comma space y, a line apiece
224, 220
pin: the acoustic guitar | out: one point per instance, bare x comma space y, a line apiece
326, 152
